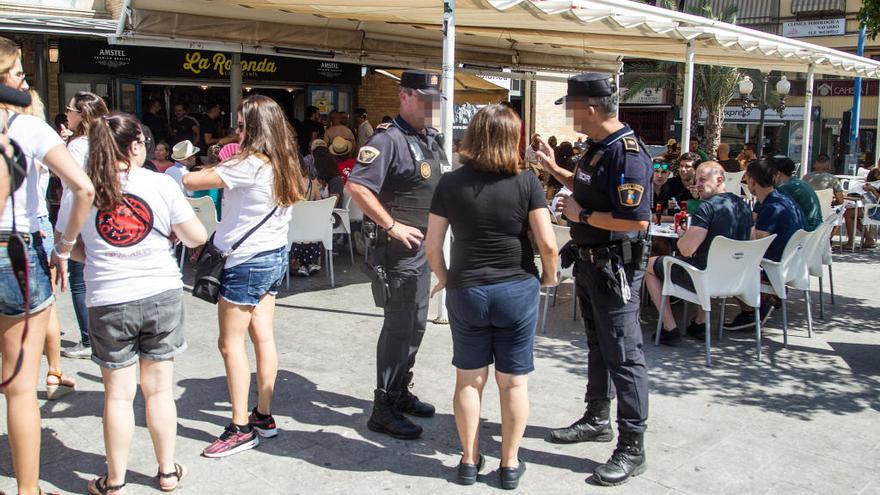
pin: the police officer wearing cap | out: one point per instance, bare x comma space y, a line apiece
393, 183
609, 213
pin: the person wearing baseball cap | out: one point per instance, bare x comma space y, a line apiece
609, 211
393, 182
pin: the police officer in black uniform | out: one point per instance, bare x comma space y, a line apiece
393, 183
609, 213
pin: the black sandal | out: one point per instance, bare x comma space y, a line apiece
99, 486
179, 473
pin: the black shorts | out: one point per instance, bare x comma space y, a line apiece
679, 275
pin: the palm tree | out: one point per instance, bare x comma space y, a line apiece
714, 86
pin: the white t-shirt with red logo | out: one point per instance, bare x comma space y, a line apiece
126, 259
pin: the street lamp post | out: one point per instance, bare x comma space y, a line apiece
783, 87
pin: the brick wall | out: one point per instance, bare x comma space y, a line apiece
377, 94
550, 118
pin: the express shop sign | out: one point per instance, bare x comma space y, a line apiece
95, 57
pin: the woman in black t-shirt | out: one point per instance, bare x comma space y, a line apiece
492, 281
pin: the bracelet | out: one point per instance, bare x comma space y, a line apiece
65, 242
393, 223
64, 256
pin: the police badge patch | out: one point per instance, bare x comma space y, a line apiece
368, 154
630, 194
425, 170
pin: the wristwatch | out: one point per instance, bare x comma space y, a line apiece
584, 215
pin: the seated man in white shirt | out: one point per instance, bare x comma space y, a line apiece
184, 156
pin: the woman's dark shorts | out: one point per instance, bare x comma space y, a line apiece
495, 323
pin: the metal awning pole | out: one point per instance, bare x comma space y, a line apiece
808, 121
877, 131
856, 109
448, 117
688, 99
234, 89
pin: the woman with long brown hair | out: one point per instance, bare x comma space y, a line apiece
38, 142
82, 111
259, 184
126, 238
493, 285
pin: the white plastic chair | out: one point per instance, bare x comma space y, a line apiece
733, 181
344, 226
312, 221
790, 271
206, 212
826, 197
563, 235
818, 254
732, 270
867, 221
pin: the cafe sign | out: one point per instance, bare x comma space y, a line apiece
95, 57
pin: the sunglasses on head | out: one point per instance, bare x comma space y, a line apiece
661, 167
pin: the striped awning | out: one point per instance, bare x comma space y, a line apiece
806, 6
523, 35
751, 12
50, 24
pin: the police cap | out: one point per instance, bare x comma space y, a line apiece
425, 82
589, 84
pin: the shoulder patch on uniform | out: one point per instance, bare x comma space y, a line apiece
382, 127
630, 143
630, 194
368, 154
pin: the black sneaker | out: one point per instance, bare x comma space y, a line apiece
745, 320
696, 330
669, 337
510, 476
264, 425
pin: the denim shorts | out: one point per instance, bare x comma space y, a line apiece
247, 283
149, 328
48, 235
495, 323
11, 300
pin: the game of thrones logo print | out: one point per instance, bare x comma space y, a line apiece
122, 227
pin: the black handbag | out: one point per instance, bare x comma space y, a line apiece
209, 266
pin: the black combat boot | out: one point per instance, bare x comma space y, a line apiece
408, 403
594, 426
627, 460
386, 419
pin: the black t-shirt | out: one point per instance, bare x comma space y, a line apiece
724, 215
182, 130
210, 126
730, 165
672, 189
489, 217
157, 125
304, 135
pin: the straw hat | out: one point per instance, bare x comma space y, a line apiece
318, 143
671, 142
340, 146
183, 150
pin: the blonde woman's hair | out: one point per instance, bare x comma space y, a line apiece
9, 53
491, 143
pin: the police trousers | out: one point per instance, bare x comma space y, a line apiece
406, 317
615, 360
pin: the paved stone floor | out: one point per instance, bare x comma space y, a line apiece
804, 420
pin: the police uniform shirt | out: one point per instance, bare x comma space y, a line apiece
384, 160
381, 160
613, 176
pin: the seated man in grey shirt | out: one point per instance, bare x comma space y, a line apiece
822, 178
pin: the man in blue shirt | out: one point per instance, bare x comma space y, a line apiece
776, 214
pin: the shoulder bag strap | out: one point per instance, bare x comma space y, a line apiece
254, 229
139, 217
